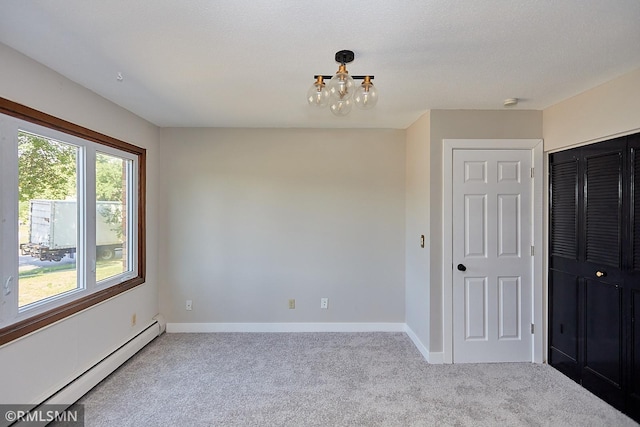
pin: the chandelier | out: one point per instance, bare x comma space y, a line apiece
341, 92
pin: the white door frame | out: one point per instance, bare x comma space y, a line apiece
535, 146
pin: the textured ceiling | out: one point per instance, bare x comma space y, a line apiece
249, 63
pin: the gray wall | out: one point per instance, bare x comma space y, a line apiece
417, 200
253, 217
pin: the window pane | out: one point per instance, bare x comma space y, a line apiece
48, 215
112, 221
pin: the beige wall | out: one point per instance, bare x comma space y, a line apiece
461, 124
417, 198
39, 364
253, 217
603, 112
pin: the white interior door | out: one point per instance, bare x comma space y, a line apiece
492, 259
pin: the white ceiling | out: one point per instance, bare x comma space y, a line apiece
249, 63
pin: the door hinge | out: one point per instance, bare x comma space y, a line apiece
532, 328
532, 172
533, 251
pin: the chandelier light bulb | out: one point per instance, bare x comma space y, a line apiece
341, 85
341, 107
318, 94
366, 95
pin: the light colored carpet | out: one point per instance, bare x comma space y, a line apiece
330, 379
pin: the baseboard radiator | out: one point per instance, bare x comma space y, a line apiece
79, 386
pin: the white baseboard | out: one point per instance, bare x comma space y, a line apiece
416, 341
284, 327
435, 358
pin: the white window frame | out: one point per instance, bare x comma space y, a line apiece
132, 217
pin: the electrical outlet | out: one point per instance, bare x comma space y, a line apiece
292, 304
133, 319
189, 306
324, 302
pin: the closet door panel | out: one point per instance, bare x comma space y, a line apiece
635, 198
602, 371
632, 283
563, 263
564, 209
603, 329
603, 350
563, 323
634, 368
603, 209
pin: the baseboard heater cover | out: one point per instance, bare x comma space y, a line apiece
79, 386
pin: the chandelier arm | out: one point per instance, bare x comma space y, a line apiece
328, 77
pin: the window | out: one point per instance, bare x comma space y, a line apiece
113, 225
47, 218
71, 219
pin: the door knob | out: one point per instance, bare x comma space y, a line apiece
461, 267
601, 273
